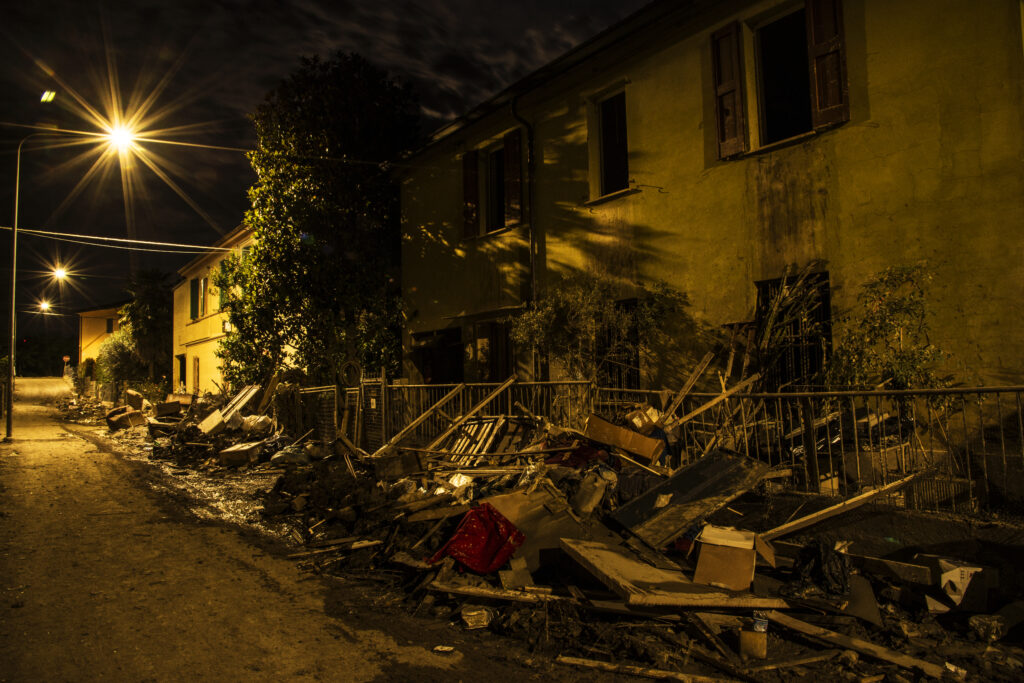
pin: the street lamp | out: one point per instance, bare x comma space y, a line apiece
44, 306
118, 136
60, 273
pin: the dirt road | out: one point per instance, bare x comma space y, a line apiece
101, 578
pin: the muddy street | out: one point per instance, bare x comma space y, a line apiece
104, 578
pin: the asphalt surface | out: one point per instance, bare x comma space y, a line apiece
102, 578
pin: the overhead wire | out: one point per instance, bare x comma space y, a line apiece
66, 237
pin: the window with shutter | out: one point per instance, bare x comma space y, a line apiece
514, 177
730, 107
801, 77
494, 184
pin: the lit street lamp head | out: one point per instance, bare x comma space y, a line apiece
60, 273
121, 137
44, 306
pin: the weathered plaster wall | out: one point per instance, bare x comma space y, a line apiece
929, 167
92, 331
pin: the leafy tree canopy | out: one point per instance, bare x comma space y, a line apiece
148, 317
320, 285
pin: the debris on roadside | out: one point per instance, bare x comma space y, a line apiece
616, 548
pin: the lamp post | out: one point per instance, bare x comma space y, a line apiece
117, 136
14, 279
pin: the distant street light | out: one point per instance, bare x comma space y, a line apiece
44, 306
60, 273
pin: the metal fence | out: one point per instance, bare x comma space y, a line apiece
970, 441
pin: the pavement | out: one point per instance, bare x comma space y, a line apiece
103, 578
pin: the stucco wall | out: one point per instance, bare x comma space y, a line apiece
92, 331
929, 167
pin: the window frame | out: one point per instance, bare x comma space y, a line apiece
826, 73
479, 192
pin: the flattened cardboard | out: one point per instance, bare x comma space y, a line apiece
605, 432
726, 558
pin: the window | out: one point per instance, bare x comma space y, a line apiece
203, 287
801, 345
495, 360
801, 77
438, 356
495, 176
193, 298
611, 121
181, 369
110, 325
195, 374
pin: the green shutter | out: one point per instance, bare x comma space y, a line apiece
193, 286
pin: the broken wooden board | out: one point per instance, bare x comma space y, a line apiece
473, 411
669, 412
856, 644
239, 454
837, 509
645, 672
424, 416
643, 585
605, 432
714, 402
672, 507
904, 572
544, 517
496, 593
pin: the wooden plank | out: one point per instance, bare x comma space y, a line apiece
837, 509
798, 661
658, 674
421, 419
497, 593
268, 394
439, 513
890, 569
681, 396
641, 584
694, 491
473, 411
856, 644
715, 401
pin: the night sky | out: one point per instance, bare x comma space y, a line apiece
205, 66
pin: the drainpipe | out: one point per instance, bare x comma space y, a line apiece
529, 196
539, 367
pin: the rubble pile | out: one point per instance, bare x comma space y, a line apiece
611, 548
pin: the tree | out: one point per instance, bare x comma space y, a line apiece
325, 218
118, 359
148, 317
612, 331
886, 341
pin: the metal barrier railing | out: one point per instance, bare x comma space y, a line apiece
971, 439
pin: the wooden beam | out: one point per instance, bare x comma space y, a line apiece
473, 411
690, 381
856, 644
645, 672
839, 508
420, 420
798, 661
716, 400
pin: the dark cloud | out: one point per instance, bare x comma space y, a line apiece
220, 58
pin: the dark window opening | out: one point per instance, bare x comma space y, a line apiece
110, 325
785, 86
193, 298
614, 151
494, 351
495, 191
181, 368
438, 356
803, 344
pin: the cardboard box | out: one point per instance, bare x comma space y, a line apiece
605, 432
726, 558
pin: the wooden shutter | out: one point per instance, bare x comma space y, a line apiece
471, 193
514, 177
826, 50
193, 287
730, 108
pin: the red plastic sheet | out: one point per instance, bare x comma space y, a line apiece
484, 541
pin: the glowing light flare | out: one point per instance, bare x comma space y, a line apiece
44, 306
122, 138
60, 273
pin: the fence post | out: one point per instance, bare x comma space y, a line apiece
810, 446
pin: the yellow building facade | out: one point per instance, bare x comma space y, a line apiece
199, 324
710, 146
94, 327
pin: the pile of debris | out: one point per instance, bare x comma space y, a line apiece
596, 547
